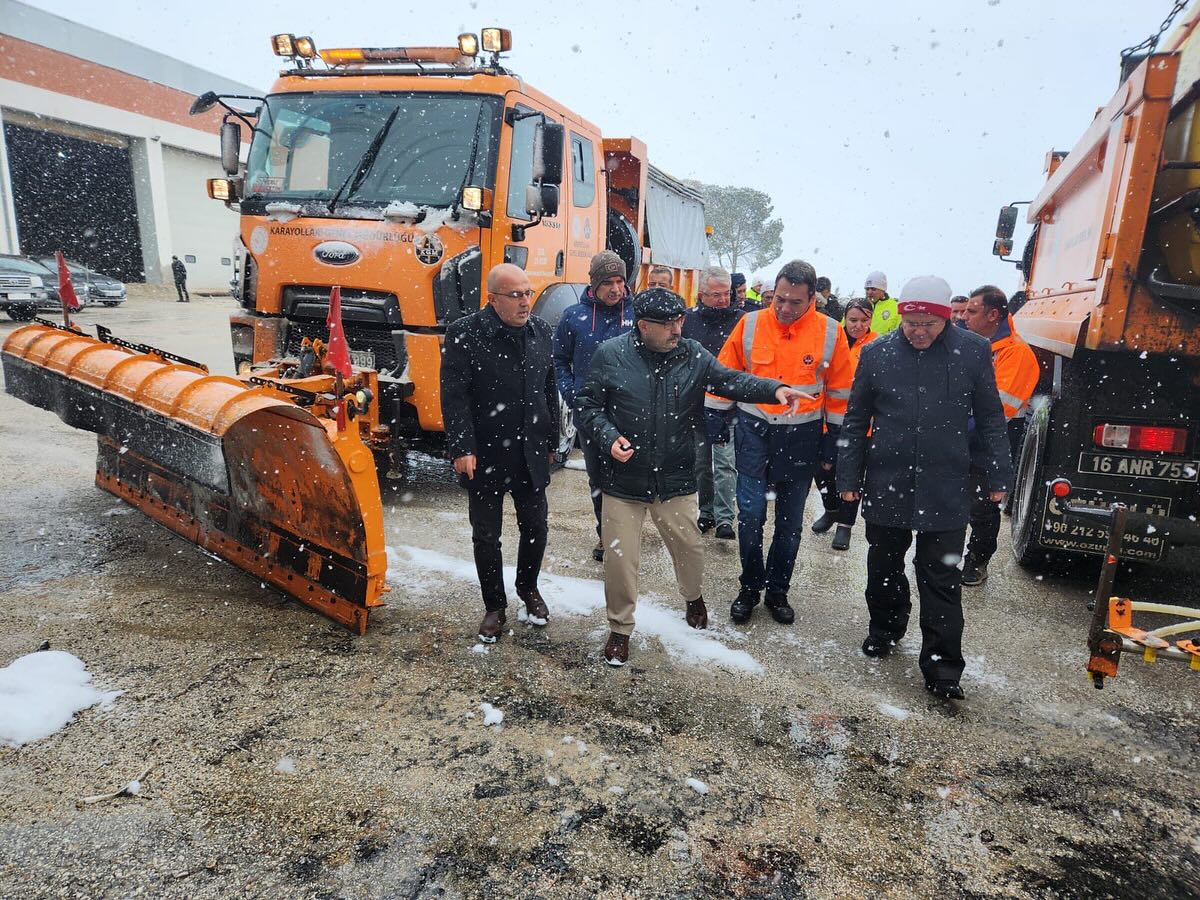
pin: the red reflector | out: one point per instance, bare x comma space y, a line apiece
1150, 438
1060, 488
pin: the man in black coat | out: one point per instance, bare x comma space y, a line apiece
640, 400
709, 322
179, 273
500, 407
916, 388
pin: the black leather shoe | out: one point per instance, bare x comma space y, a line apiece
877, 647
781, 611
725, 532
697, 613
743, 606
945, 689
841, 538
706, 525
491, 626
598, 552
974, 572
824, 523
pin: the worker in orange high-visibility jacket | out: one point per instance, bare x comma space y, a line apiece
1017, 374
777, 449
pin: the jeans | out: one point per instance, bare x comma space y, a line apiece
790, 496
486, 509
716, 478
938, 584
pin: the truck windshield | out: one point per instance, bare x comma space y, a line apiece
307, 146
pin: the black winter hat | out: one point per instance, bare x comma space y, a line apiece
658, 305
736, 280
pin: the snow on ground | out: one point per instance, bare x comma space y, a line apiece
491, 715
575, 463
286, 766
417, 570
698, 786
895, 712
40, 694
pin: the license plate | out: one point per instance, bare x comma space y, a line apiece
364, 359
20, 295
1140, 467
1083, 535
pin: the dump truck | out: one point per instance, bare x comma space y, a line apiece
1111, 306
404, 175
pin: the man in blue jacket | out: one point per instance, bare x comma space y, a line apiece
606, 311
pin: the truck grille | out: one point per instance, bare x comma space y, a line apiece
377, 340
16, 282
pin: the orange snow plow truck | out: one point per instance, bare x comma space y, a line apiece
401, 175
1112, 309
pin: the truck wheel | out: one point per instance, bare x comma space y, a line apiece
1029, 497
21, 313
623, 240
566, 433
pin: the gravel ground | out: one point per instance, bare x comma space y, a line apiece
291, 759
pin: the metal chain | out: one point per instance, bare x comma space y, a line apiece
1151, 42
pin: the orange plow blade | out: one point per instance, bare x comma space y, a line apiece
243, 471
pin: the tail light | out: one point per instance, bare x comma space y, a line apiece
1150, 438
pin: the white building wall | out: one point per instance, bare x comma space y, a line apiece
200, 227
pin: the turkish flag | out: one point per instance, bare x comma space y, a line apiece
66, 290
338, 354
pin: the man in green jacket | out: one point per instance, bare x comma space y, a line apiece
885, 318
640, 401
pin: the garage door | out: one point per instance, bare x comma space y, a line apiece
202, 230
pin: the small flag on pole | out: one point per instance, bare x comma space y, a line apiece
338, 354
66, 290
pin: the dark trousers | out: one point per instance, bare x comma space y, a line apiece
776, 574
486, 508
985, 521
181, 287
826, 480
593, 457
939, 586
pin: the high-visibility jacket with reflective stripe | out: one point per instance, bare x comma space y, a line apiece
885, 316
856, 350
810, 355
1017, 372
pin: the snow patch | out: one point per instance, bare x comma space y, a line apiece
577, 464
40, 694
698, 786
278, 211
895, 712
286, 766
491, 715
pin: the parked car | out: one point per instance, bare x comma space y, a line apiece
91, 287
22, 287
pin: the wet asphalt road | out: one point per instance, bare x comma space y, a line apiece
827, 774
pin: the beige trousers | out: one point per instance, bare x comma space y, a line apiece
621, 530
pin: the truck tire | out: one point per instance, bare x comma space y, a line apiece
21, 313
623, 240
1029, 494
567, 433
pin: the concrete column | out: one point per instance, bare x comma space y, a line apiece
9, 241
154, 221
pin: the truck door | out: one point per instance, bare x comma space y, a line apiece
541, 251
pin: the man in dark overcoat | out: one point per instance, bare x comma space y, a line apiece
500, 407
916, 388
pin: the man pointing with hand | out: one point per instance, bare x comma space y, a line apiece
642, 399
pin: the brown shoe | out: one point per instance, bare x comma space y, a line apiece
491, 626
616, 651
697, 613
536, 611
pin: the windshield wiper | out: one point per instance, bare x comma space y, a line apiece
368, 159
470, 173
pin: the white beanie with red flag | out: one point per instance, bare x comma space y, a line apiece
926, 294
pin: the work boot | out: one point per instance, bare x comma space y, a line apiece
705, 524
841, 538
877, 647
725, 532
536, 611
781, 610
945, 689
743, 606
616, 650
491, 626
824, 523
974, 572
697, 614
598, 551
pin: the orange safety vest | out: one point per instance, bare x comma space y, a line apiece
810, 355
1017, 372
856, 350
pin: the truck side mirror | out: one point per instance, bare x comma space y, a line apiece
203, 103
541, 200
548, 143
1002, 248
1007, 223
231, 147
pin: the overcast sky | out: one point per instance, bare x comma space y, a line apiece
887, 133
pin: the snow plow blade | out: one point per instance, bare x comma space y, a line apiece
242, 470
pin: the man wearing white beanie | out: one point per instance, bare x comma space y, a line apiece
885, 318
916, 388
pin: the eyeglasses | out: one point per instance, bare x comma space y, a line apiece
513, 295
